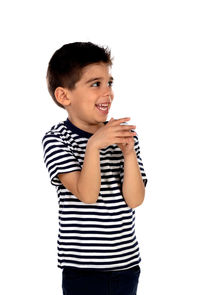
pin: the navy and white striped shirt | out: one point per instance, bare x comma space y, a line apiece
101, 235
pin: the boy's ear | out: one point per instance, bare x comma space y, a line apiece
61, 95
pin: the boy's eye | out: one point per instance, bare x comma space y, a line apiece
111, 82
95, 83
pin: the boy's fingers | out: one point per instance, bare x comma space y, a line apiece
121, 119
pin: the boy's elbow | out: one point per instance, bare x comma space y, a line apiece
137, 203
87, 199
133, 206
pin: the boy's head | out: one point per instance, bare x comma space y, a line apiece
68, 73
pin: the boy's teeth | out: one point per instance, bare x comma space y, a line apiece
102, 105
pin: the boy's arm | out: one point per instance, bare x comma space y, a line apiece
89, 182
133, 188
85, 184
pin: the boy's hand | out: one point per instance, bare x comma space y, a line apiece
128, 147
113, 133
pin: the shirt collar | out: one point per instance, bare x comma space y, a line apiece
77, 130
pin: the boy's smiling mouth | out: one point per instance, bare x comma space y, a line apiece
103, 107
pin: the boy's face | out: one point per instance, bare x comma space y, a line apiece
94, 87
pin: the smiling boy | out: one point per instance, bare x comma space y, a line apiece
98, 173
81, 102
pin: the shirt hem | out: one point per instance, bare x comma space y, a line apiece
98, 269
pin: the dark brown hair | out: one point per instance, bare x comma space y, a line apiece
66, 64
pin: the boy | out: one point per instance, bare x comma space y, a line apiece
97, 170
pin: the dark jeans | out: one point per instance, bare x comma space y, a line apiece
90, 282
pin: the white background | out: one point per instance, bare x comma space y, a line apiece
156, 46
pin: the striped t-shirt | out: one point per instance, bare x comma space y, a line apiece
98, 236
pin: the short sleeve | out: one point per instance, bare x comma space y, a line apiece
140, 163
58, 157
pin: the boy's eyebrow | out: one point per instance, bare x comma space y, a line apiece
98, 78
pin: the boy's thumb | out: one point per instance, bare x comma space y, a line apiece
111, 119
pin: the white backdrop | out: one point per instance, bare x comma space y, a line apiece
156, 48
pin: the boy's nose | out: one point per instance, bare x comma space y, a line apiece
108, 93
108, 97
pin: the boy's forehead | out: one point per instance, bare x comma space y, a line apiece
96, 68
